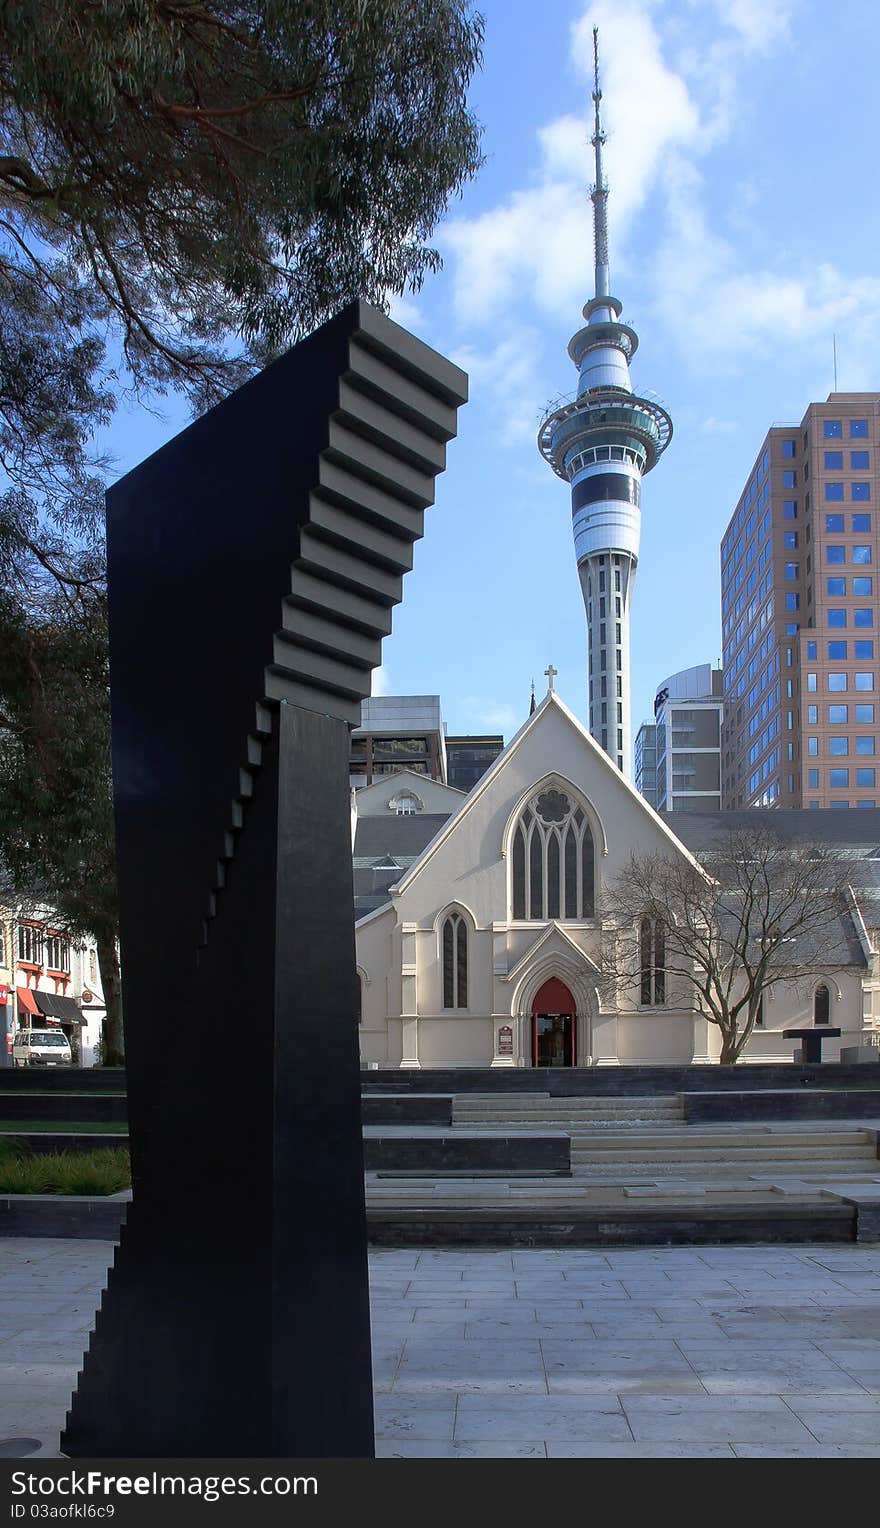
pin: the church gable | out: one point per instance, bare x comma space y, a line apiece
470, 858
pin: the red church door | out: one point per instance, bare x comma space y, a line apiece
553, 1025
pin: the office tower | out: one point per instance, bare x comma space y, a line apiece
799, 612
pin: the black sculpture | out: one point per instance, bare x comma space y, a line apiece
253, 565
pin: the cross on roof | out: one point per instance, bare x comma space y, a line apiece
551, 673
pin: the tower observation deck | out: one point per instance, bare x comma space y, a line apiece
602, 442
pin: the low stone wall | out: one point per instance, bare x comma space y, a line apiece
65, 1079
813, 1103
406, 1109
620, 1081
432, 1152
85, 1216
107, 1107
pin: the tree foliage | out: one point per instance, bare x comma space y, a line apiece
759, 909
186, 186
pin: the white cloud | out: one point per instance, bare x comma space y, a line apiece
509, 374
534, 250
713, 426
381, 683
737, 312
489, 714
405, 312
758, 23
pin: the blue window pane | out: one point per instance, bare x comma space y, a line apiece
864, 648
858, 429
840, 806
861, 491
790, 540
861, 554
838, 746
788, 448
866, 803
863, 585
837, 715
864, 745
789, 478
812, 746
811, 649
789, 509
814, 805
792, 601
812, 715
791, 570
838, 778
863, 617
864, 712
860, 461
833, 491
836, 651
835, 554
861, 522
866, 776
864, 682
813, 779
811, 681
834, 461
836, 586
836, 682
832, 429
837, 618
792, 629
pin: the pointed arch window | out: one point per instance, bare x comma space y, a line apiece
821, 1005
552, 869
652, 958
455, 961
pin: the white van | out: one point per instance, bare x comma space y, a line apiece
41, 1047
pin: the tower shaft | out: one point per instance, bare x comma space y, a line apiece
602, 443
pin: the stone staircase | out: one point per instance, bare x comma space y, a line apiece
632, 1140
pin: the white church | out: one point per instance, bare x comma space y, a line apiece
487, 951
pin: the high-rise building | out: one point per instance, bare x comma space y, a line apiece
468, 758
602, 442
687, 714
800, 612
398, 732
645, 759
678, 755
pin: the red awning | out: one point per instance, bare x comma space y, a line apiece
26, 998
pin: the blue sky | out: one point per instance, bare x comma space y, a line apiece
744, 226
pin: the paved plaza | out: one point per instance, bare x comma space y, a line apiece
698, 1352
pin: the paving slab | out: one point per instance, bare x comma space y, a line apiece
681, 1352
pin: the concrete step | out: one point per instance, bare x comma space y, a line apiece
709, 1154
567, 1106
695, 1139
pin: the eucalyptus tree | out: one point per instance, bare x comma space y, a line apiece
186, 187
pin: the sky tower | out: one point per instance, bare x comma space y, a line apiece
603, 443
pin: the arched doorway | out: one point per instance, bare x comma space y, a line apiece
554, 1025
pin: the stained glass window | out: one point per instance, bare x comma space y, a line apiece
554, 840
455, 962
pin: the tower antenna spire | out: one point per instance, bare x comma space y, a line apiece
599, 193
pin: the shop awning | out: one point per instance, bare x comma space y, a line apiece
52, 1006
26, 998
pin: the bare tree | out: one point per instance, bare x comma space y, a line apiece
759, 909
